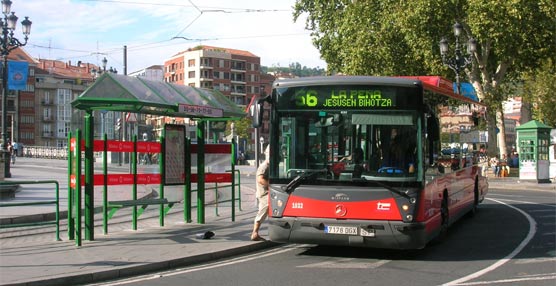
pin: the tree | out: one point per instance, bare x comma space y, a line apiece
242, 128
539, 90
387, 37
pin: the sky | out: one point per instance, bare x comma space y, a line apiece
155, 30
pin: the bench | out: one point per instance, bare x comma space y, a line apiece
114, 206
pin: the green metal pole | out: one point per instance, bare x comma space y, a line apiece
105, 185
58, 211
89, 186
71, 171
134, 172
187, 187
233, 180
238, 189
216, 199
201, 172
78, 184
161, 165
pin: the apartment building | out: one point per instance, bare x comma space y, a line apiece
235, 73
20, 107
155, 72
57, 84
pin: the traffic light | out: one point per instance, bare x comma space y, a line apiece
118, 124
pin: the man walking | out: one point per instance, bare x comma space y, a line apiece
262, 196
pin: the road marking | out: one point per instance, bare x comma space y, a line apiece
513, 280
525, 202
346, 263
212, 265
526, 240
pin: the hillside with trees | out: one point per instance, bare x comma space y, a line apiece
295, 69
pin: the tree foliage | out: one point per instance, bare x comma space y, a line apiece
242, 128
540, 90
392, 37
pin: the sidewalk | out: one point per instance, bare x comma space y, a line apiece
514, 183
31, 256
39, 260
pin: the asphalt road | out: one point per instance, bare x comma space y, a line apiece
510, 241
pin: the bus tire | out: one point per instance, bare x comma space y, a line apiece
473, 209
445, 218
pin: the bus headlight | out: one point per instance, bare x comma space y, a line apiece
278, 202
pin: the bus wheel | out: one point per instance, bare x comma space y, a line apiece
473, 210
445, 217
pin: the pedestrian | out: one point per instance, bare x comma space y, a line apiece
12, 153
16, 148
262, 196
494, 163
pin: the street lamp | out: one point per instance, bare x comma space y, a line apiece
96, 73
9, 43
459, 61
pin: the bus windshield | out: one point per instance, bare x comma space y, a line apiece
347, 145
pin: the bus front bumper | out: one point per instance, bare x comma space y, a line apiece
369, 233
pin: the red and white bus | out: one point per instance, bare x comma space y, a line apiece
366, 161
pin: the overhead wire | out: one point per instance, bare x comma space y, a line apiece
159, 44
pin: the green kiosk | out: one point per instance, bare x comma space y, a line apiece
533, 140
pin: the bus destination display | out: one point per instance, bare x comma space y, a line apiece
341, 97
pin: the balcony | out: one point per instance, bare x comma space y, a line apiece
47, 102
47, 134
47, 118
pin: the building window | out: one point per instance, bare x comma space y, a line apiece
206, 62
191, 63
192, 74
63, 128
221, 63
46, 113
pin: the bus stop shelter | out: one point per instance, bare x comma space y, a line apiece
120, 93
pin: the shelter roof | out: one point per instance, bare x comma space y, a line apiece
113, 92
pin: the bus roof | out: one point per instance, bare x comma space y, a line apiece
436, 84
331, 80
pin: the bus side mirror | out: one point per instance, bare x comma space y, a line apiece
256, 111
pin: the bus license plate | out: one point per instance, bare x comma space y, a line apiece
334, 229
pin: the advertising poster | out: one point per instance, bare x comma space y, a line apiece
174, 154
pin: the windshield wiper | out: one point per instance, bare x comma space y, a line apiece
393, 190
293, 184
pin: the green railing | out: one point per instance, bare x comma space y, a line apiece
55, 202
233, 184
